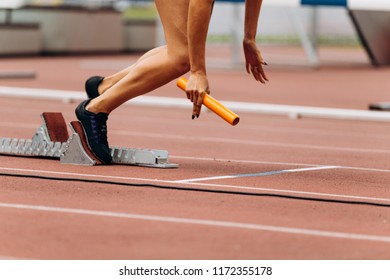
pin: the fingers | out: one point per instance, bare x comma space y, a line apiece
197, 104
197, 100
259, 74
254, 62
256, 69
262, 72
196, 111
197, 87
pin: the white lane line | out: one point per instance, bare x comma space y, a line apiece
356, 168
170, 102
292, 192
252, 127
217, 186
244, 161
9, 258
89, 176
268, 173
220, 140
201, 222
42, 93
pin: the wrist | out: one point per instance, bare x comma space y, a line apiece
198, 71
249, 39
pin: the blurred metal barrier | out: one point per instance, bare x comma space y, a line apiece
373, 28
371, 19
372, 22
9, 5
93, 4
308, 39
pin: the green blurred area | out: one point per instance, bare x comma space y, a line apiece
339, 41
149, 12
141, 12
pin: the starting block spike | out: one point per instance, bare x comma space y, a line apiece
52, 140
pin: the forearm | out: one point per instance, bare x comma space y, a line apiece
198, 24
252, 12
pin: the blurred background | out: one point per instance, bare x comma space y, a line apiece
76, 26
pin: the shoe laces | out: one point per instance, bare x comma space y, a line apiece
99, 128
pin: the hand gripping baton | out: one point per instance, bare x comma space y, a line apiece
213, 105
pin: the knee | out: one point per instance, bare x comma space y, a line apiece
182, 63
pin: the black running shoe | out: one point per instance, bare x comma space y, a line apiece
91, 86
95, 128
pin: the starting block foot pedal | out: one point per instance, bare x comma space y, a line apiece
53, 129
55, 126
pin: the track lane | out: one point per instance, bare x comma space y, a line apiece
68, 230
260, 143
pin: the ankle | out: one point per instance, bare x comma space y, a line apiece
105, 84
102, 87
96, 107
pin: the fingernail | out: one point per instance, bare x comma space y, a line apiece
197, 115
193, 117
265, 63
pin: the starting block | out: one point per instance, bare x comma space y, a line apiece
52, 140
384, 106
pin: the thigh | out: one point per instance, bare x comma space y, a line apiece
174, 17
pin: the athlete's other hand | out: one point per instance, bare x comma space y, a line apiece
254, 61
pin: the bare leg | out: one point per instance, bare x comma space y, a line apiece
109, 81
155, 70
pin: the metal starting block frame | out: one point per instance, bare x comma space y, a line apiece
72, 151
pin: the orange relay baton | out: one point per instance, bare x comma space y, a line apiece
213, 105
